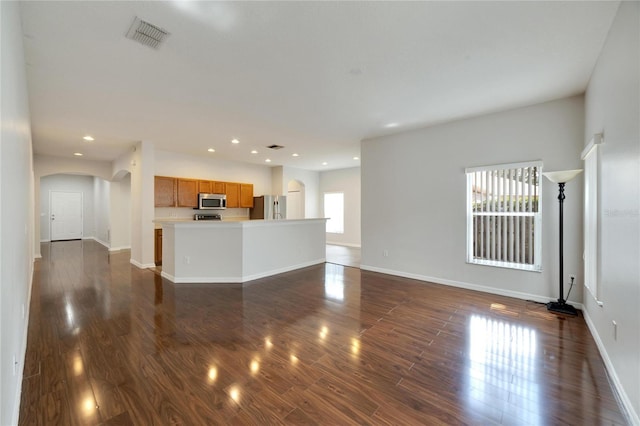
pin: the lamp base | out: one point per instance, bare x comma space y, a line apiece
562, 308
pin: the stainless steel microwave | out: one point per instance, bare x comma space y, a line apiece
212, 201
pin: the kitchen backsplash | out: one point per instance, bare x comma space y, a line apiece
188, 212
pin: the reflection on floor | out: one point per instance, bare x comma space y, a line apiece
109, 344
343, 255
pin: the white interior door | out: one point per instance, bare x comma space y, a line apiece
66, 215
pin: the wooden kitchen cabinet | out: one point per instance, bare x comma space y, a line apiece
158, 247
232, 190
164, 191
246, 195
218, 187
205, 186
187, 193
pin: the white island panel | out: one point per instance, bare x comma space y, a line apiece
273, 247
239, 251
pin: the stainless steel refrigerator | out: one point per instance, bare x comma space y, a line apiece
269, 207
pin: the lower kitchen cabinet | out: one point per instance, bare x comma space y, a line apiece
158, 247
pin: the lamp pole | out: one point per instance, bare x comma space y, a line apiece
561, 178
561, 242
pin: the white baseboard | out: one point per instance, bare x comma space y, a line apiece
98, 240
465, 285
632, 416
238, 279
142, 265
333, 243
119, 248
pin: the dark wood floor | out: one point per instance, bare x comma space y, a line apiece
112, 344
343, 255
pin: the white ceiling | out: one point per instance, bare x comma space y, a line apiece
316, 77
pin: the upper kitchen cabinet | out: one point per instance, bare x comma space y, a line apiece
246, 195
232, 190
218, 187
165, 191
205, 186
187, 193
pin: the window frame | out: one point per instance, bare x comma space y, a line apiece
590, 156
536, 266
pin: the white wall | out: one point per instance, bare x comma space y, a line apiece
73, 183
422, 222
16, 212
612, 108
346, 181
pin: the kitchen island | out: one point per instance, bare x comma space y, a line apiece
239, 251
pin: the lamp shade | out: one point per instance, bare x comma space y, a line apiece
562, 176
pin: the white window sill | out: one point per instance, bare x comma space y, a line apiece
507, 265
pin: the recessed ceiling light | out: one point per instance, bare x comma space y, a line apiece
267, 160
391, 125
88, 138
295, 154
356, 158
211, 150
254, 152
324, 163
235, 141
77, 154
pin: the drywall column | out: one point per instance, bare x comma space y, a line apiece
612, 107
142, 204
120, 214
16, 212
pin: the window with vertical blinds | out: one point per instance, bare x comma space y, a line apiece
504, 215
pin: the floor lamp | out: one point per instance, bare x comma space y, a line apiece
561, 178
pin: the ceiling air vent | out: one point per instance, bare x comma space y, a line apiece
146, 33
275, 146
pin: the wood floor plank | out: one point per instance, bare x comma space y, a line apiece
112, 344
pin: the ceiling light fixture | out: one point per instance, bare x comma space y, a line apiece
324, 163
267, 160
77, 154
254, 152
356, 158
235, 141
88, 138
211, 150
295, 154
391, 125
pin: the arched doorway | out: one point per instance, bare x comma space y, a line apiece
105, 207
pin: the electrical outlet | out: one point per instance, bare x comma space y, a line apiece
615, 330
385, 253
572, 277
187, 260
